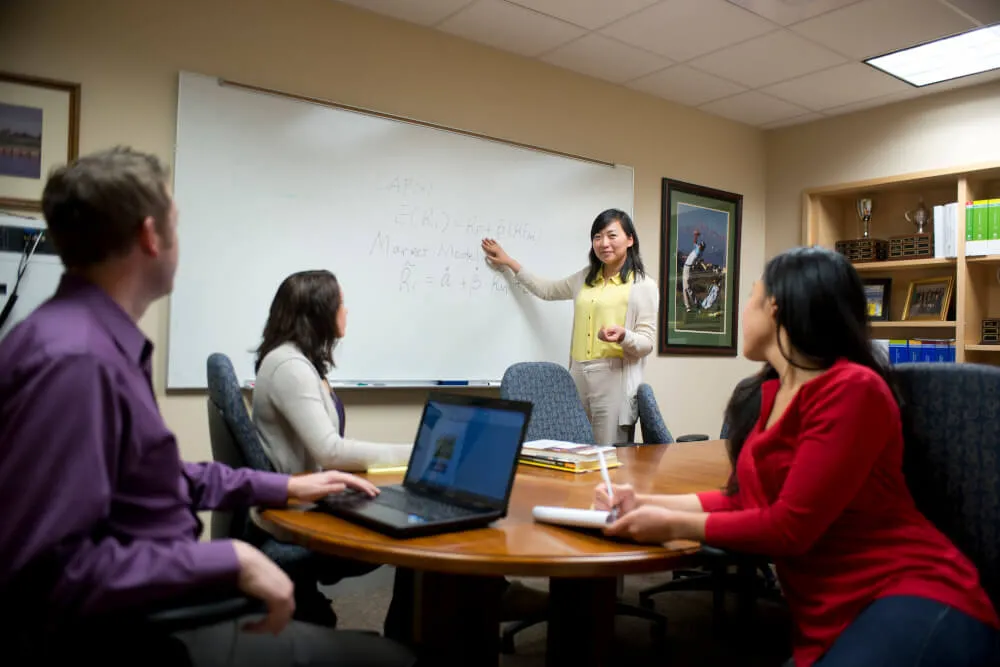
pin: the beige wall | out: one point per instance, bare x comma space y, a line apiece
126, 55
953, 129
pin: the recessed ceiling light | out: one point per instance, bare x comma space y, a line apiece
953, 57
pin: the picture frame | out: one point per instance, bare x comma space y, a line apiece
700, 231
878, 293
39, 130
929, 299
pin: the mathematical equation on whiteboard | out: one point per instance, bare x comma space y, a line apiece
434, 250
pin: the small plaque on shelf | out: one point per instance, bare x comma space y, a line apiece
863, 250
911, 246
991, 332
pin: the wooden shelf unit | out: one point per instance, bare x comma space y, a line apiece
830, 215
914, 324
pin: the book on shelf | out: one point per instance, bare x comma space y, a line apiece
568, 456
982, 227
945, 225
918, 350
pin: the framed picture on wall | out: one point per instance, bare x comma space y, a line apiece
929, 299
700, 269
39, 130
877, 293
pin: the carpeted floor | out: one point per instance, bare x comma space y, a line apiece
361, 603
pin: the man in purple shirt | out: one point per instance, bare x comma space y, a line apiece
98, 509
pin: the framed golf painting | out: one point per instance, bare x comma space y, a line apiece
700, 271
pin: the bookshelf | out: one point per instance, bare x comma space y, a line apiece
830, 215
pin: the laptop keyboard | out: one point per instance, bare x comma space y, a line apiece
398, 498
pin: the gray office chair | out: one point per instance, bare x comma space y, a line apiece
651, 424
234, 442
558, 414
951, 428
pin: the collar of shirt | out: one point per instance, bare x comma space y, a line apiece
123, 330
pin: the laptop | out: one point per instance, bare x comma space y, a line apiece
460, 474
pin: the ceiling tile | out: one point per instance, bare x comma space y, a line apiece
511, 28
913, 93
844, 84
986, 12
882, 100
684, 85
796, 120
685, 29
605, 58
770, 58
876, 27
590, 14
787, 12
425, 12
753, 108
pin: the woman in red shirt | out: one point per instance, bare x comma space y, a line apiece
819, 487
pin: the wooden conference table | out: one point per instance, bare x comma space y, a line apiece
458, 585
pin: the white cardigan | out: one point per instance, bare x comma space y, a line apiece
640, 327
298, 423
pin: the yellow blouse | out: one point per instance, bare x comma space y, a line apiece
600, 305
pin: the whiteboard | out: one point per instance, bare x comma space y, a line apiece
267, 185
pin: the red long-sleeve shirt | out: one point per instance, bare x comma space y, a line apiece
822, 492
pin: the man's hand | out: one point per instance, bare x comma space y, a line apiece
308, 488
260, 578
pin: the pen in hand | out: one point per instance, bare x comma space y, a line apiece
613, 511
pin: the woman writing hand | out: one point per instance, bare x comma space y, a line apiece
614, 321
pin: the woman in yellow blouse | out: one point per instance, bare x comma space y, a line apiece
614, 321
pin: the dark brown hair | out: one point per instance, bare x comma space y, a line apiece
95, 206
304, 312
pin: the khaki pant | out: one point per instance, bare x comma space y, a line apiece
599, 383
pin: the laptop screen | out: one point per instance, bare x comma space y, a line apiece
467, 450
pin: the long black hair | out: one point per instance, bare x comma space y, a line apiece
742, 413
820, 303
304, 312
633, 261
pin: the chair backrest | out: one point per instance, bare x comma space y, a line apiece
654, 429
951, 427
233, 437
558, 412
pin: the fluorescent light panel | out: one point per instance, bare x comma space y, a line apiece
961, 55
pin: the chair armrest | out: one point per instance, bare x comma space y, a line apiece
692, 437
198, 614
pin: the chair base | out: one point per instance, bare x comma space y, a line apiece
657, 631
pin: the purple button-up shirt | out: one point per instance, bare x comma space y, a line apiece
96, 506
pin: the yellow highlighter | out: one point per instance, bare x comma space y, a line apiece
388, 469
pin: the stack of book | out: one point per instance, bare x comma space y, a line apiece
568, 456
921, 350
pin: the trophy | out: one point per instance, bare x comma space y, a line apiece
919, 216
865, 213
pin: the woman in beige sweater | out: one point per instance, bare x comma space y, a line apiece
299, 419
614, 321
